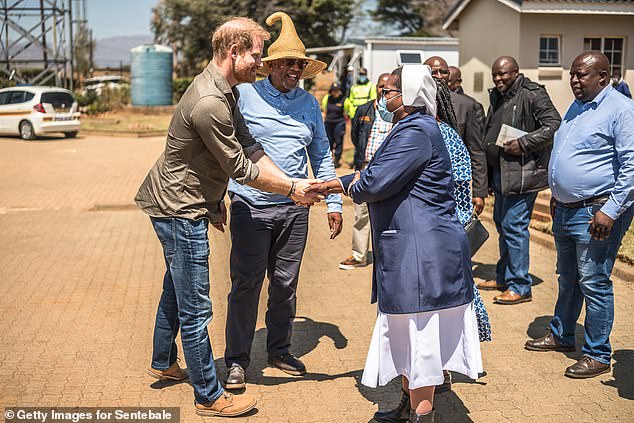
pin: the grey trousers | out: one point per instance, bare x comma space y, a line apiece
265, 240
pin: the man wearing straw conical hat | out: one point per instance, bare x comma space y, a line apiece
268, 231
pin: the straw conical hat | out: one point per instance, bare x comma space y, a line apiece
289, 46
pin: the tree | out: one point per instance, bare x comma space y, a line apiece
413, 17
186, 25
84, 45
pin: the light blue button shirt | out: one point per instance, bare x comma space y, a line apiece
290, 128
593, 152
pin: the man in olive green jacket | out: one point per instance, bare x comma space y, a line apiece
207, 143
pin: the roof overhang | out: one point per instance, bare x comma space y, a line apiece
414, 40
567, 7
332, 49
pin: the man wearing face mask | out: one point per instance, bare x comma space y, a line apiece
368, 132
268, 231
360, 93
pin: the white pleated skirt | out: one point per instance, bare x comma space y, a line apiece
420, 346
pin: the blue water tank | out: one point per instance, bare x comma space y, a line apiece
151, 75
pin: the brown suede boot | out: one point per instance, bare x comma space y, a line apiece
173, 373
228, 405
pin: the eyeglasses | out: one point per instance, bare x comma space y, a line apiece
299, 62
387, 90
440, 71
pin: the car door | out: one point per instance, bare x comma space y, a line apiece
4, 99
16, 110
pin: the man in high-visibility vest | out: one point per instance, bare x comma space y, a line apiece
360, 93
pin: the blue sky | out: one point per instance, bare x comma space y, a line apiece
119, 17
132, 17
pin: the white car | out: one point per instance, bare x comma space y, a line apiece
32, 111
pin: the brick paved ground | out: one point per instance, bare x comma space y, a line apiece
80, 273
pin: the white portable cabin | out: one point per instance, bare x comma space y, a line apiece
384, 54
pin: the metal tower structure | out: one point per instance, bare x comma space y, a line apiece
36, 41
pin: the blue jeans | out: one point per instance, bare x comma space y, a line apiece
185, 303
584, 266
512, 214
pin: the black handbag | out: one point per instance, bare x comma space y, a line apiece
476, 233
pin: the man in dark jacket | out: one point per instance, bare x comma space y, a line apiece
368, 132
470, 117
517, 170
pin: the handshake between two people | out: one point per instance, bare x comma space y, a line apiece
333, 186
310, 191
307, 192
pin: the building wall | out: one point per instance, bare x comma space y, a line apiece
572, 29
380, 58
487, 30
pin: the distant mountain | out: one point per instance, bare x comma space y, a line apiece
114, 51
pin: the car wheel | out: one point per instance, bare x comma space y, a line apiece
72, 134
26, 130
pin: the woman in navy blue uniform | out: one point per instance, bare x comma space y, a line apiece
422, 276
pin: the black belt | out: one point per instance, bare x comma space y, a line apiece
598, 200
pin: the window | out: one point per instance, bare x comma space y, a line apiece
409, 57
549, 50
4, 97
16, 97
58, 99
611, 47
478, 82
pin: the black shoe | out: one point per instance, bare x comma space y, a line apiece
235, 377
422, 418
398, 415
587, 367
446, 385
288, 364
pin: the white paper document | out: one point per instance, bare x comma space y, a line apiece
508, 133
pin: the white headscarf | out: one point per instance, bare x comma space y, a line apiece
419, 88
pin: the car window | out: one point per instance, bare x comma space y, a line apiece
16, 97
28, 96
58, 98
4, 97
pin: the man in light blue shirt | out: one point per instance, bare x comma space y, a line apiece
268, 231
591, 175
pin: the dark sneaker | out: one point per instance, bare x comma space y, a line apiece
235, 377
398, 415
288, 364
350, 263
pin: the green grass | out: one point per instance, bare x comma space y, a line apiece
126, 122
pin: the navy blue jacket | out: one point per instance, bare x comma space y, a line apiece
421, 253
